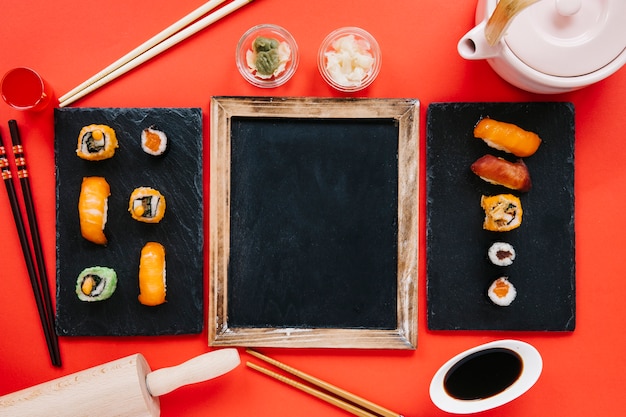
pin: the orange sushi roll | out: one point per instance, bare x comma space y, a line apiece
152, 283
503, 212
93, 208
147, 205
507, 137
96, 142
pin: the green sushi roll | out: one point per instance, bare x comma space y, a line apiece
96, 283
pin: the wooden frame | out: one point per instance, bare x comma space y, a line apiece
404, 112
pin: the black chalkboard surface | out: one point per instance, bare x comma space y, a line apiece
313, 223
317, 216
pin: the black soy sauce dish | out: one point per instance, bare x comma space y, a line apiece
486, 376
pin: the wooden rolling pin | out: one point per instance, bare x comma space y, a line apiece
125, 387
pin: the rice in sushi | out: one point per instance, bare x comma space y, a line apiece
502, 292
501, 254
96, 283
153, 141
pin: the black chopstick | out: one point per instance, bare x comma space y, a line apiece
38, 276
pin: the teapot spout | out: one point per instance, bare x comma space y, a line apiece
473, 45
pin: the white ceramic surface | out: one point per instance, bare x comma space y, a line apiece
553, 46
532, 365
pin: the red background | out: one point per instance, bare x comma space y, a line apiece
69, 41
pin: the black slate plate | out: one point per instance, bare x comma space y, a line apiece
178, 175
458, 270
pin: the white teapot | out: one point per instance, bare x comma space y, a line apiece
553, 46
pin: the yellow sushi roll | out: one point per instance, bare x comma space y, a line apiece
503, 212
96, 142
93, 208
152, 282
146, 205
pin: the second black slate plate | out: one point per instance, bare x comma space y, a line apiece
178, 175
458, 270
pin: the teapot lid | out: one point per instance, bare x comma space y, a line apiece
569, 38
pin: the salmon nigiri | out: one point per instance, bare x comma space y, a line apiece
92, 209
152, 284
507, 137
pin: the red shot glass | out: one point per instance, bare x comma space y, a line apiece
24, 89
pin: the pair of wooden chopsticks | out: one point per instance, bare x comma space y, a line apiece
341, 398
180, 30
37, 273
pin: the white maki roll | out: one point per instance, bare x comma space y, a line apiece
501, 254
153, 141
502, 292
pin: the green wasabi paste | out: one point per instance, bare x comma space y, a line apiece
267, 59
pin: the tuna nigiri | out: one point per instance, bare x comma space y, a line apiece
93, 208
513, 175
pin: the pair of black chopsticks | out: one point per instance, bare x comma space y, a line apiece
34, 263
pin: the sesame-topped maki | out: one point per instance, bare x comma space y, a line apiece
96, 283
147, 205
96, 142
501, 253
153, 141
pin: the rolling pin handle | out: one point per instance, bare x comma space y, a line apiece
201, 368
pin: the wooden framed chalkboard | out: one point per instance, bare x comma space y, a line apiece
313, 222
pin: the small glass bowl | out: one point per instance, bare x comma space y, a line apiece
337, 76
244, 47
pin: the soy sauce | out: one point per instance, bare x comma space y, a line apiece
483, 374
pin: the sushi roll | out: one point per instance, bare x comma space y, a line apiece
502, 292
153, 141
503, 212
146, 205
96, 283
501, 254
96, 142
93, 209
152, 281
